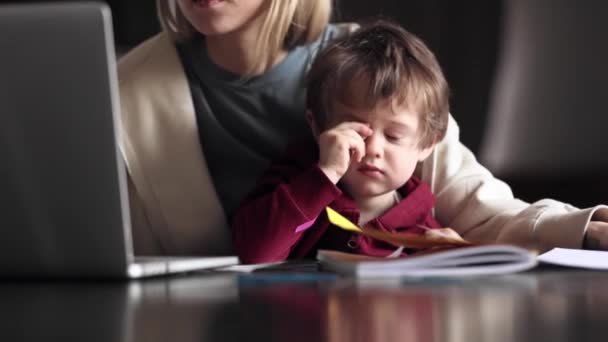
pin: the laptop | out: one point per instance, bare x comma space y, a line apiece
64, 208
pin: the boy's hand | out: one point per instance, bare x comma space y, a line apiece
596, 236
339, 146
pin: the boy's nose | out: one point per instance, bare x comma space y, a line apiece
373, 146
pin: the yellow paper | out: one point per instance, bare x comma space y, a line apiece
341, 221
409, 240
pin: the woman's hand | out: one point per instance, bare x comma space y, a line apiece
596, 236
443, 234
339, 146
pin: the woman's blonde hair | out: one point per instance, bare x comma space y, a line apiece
288, 23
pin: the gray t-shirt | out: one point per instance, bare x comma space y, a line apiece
245, 124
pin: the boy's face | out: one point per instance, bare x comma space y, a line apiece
391, 152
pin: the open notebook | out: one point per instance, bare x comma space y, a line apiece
462, 261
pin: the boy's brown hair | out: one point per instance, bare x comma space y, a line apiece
395, 63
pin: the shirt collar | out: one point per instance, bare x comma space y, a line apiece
415, 206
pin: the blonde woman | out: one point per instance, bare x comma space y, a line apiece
218, 94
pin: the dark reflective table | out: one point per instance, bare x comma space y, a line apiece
548, 304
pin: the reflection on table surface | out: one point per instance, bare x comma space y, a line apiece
551, 304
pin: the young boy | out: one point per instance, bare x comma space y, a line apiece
378, 104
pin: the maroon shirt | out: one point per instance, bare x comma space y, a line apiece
271, 223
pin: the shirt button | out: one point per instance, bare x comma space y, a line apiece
353, 242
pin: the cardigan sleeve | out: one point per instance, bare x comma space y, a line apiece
271, 220
482, 208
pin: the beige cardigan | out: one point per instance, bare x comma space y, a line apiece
175, 209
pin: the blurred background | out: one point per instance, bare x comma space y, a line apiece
527, 80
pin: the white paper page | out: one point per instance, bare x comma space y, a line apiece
248, 268
597, 260
283, 266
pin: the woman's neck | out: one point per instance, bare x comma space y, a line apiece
235, 52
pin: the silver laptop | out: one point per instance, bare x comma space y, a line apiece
63, 197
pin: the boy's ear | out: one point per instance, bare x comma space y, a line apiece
426, 152
312, 123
